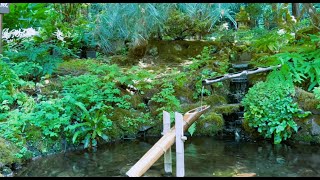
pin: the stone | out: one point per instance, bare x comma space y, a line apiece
315, 128
245, 175
245, 56
184, 100
153, 51
177, 47
16, 166
7, 172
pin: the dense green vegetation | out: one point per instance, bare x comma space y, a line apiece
53, 96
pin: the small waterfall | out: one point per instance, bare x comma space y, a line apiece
238, 88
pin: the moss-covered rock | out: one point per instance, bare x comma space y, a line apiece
210, 124
7, 152
187, 107
184, 95
136, 101
120, 123
215, 100
307, 101
138, 49
309, 130
227, 108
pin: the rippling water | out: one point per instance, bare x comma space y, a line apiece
204, 157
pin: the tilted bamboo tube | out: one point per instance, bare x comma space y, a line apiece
164, 143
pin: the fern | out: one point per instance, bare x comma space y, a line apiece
303, 65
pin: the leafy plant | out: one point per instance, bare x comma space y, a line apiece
304, 64
187, 26
8, 79
92, 125
134, 22
269, 108
25, 15
96, 96
36, 58
168, 102
271, 42
198, 63
201, 60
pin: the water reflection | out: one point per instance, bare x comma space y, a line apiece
204, 157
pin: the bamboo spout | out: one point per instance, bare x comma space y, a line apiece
164, 143
234, 75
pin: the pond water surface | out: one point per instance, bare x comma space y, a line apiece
204, 157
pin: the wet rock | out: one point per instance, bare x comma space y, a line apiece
245, 56
153, 51
16, 166
315, 128
7, 172
184, 100
307, 101
145, 128
177, 47
213, 50
233, 57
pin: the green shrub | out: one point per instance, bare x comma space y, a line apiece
179, 26
269, 108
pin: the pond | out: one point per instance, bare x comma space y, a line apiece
204, 157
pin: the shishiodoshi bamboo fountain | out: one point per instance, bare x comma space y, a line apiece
164, 143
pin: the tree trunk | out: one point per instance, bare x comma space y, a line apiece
315, 19
295, 10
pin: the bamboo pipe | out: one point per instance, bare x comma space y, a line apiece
234, 75
164, 143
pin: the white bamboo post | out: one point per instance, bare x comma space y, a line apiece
163, 144
179, 123
167, 154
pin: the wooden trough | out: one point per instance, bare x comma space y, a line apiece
164, 143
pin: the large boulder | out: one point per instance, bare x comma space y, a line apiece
309, 127
307, 101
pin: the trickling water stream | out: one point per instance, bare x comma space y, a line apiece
202, 90
204, 157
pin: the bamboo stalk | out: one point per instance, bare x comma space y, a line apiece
164, 143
